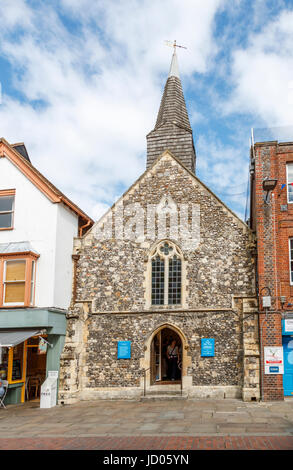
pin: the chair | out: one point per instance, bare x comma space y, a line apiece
5, 385
34, 383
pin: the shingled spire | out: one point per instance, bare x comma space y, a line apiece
172, 130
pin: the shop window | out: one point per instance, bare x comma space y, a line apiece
18, 281
6, 209
4, 363
166, 275
17, 363
12, 363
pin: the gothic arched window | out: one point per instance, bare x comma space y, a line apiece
166, 261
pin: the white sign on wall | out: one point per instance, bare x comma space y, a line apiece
53, 374
274, 362
289, 324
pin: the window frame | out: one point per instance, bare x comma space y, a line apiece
166, 257
287, 182
8, 193
30, 286
290, 260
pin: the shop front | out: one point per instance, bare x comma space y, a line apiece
29, 350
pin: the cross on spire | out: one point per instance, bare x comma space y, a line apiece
174, 69
174, 44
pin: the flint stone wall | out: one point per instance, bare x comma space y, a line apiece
112, 272
111, 281
104, 369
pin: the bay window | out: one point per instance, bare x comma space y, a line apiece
18, 280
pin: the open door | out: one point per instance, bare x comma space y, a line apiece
160, 372
153, 363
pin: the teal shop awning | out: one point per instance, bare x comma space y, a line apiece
12, 338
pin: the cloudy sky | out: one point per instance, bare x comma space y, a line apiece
82, 82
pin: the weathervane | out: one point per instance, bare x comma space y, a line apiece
173, 44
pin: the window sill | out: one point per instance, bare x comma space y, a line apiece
2, 307
165, 307
6, 228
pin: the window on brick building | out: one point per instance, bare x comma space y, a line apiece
291, 259
290, 182
166, 274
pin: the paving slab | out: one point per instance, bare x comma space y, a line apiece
193, 417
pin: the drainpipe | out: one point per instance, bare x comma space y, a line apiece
262, 356
82, 227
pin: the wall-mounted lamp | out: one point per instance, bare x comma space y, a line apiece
268, 185
283, 300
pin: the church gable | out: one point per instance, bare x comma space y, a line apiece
170, 169
167, 202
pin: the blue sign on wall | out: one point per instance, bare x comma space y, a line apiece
124, 349
207, 347
274, 369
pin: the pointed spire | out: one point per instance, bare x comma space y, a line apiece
174, 69
172, 130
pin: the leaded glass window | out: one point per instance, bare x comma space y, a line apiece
166, 275
158, 274
174, 290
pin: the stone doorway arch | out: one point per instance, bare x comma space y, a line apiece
147, 364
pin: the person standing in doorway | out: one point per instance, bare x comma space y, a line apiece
2, 391
172, 355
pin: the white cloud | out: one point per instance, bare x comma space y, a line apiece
102, 81
15, 13
262, 71
101, 87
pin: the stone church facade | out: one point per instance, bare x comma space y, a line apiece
169, 261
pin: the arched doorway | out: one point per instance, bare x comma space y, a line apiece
163, 370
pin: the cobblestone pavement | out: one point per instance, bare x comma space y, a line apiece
151, 425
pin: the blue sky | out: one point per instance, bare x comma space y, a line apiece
82, 82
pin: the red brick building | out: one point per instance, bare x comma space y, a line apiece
272, 220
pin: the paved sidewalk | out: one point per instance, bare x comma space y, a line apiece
132, 420
150, 443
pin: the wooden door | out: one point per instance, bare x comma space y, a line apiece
153, 362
